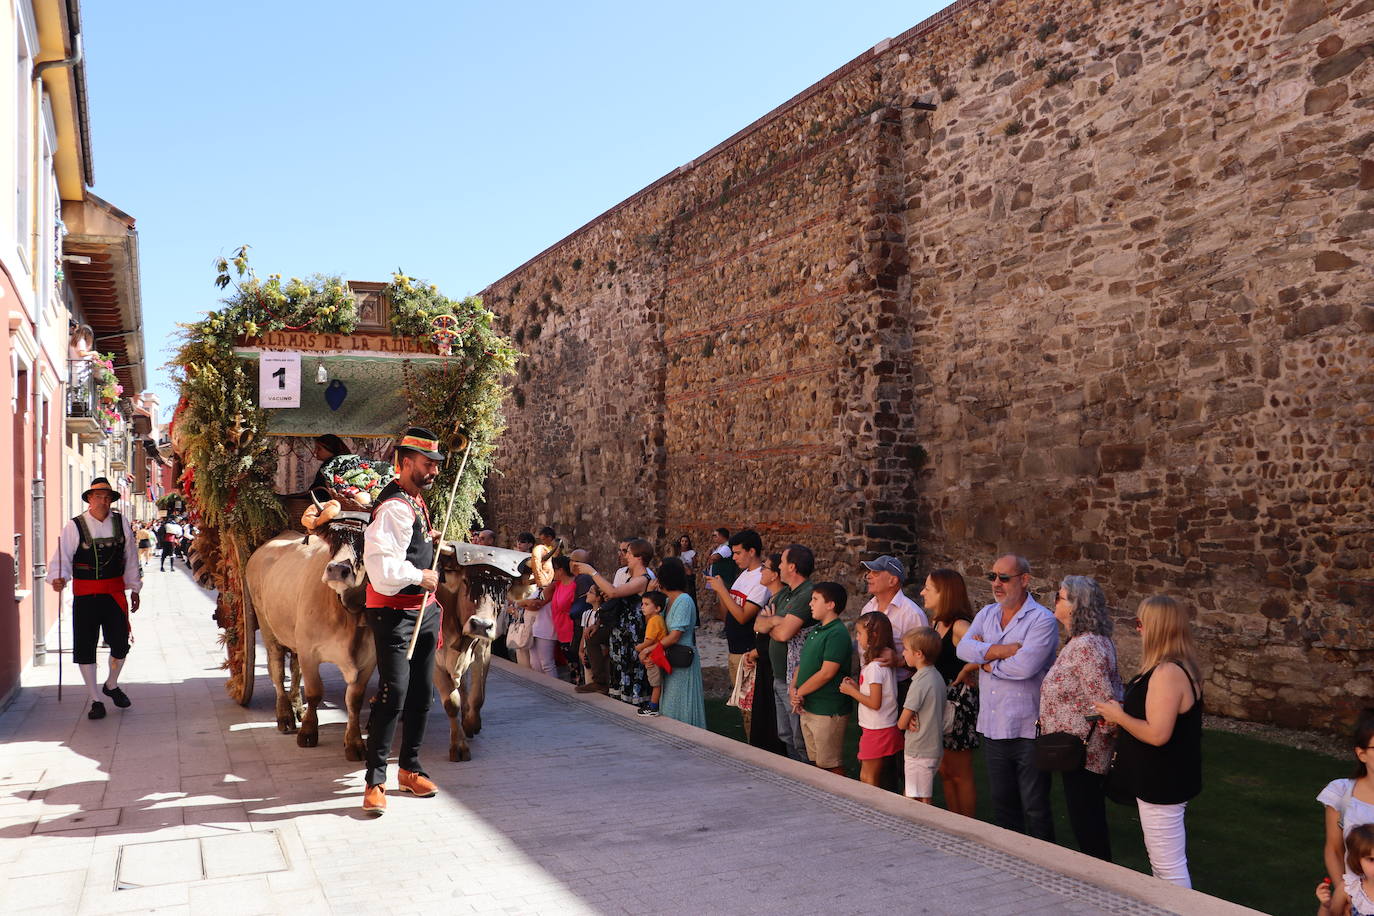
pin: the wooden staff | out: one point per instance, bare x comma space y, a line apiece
448, 515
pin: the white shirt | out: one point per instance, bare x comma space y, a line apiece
905, 615
543, 622
384, 548
60, 565
723, 551
885, 716
172, 528
687, 556
748, 586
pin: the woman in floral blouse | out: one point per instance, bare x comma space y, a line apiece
1084, 673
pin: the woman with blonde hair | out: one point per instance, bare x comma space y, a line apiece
1159, 747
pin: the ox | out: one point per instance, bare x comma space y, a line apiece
299, 587
473, 590
308, 595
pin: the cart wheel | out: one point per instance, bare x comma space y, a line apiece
248, 633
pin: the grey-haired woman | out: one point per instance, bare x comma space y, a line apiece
1084, 673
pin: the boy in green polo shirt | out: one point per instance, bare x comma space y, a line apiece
826, 659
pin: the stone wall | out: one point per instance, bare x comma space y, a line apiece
1106, 305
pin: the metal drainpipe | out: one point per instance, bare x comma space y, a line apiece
43, 66
40, 573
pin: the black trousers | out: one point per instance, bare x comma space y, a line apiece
1087, 804
599, 655
92, 615
404, 689
169, 551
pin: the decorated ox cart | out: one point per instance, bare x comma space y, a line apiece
279, 366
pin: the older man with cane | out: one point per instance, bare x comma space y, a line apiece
96, 553
398, 552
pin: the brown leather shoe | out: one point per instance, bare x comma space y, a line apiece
591, 688
417, 784
374, 800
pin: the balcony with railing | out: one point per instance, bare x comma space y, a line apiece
85, 418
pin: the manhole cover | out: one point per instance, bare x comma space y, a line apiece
228, 855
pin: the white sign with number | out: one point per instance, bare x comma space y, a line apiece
279, 380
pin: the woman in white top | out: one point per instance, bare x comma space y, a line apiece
1349, 803
876, 693
685, 553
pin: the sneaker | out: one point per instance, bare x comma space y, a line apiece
121, 699
374, 800
649, 709
97, 710
417, 784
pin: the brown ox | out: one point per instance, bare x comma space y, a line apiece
473, 590
298, 588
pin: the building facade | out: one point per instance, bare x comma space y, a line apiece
72, 350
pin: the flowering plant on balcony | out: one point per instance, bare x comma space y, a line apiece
107, 385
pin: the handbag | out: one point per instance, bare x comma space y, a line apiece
1061, 752
742, 696
520, 634
1117, 785
679, 656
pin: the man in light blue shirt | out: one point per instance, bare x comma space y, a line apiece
1014, 640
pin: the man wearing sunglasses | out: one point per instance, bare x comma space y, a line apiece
1014, 640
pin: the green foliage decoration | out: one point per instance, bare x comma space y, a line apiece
219, 431
460, 398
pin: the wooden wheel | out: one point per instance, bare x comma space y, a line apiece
248, 634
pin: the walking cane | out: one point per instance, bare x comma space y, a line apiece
59, 646
448, 514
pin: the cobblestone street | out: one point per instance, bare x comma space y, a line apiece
187, 802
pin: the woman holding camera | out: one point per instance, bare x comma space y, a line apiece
1159, 747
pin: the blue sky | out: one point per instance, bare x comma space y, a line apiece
454, 140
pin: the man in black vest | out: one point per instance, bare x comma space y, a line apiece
398, 552
96, 553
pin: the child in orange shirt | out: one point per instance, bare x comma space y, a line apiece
655, 629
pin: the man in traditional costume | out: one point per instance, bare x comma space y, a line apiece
398, 552
97, 554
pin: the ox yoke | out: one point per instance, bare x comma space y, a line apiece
507, 561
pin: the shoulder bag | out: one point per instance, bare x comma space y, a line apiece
1061, 752
678, 655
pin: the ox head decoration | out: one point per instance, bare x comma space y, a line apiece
492, 576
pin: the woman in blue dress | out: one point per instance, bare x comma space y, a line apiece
684, 697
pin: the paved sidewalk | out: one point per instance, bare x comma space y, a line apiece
188, 803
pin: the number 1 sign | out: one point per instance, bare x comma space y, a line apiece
279, 380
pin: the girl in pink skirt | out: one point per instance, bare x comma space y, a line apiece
876, 693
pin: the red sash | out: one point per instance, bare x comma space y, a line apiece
400, 602
112, 587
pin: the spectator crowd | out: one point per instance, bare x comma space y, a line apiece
1037, 687
171, 536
